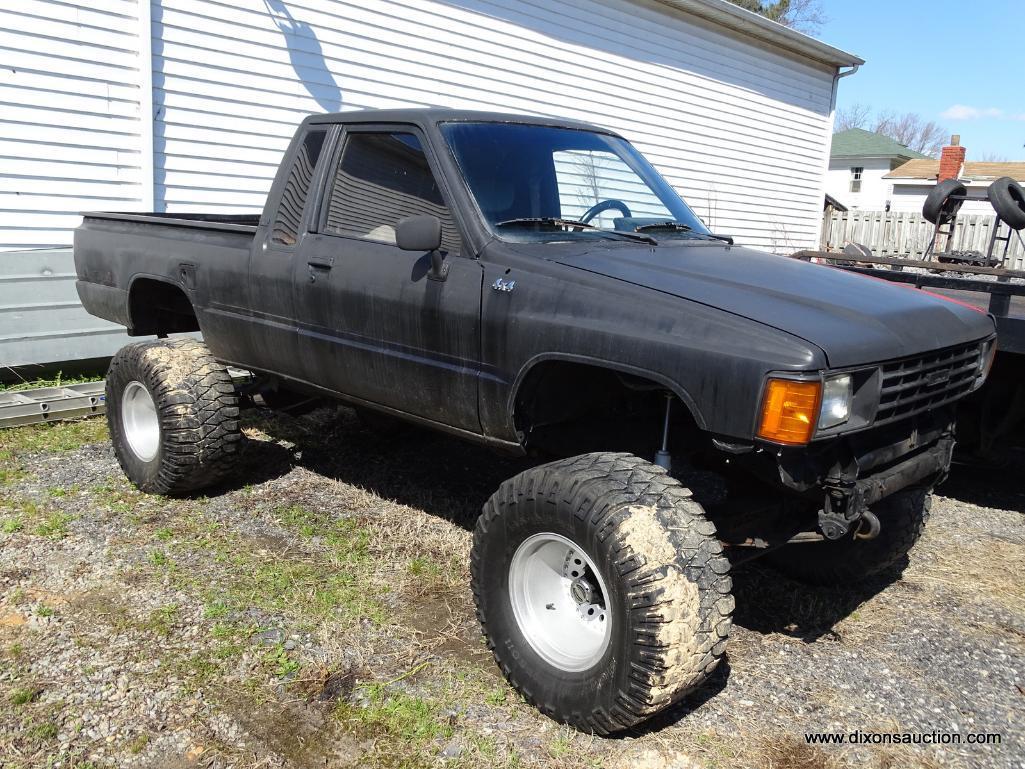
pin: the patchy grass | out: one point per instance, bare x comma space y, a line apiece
403, 726
54, 524
279, 662
9, 473
20, 514
23, 696
52, 437
57, 380
161, 621
11, 524
159, 558
320, 617
138, 744
330, 580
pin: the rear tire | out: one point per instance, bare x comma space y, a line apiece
643, 575
173, 416
843, 561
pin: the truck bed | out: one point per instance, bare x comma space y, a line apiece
184, 253
227, 222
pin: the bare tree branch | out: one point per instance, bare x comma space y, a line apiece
913, 131
910, 129
857, 115
803, 15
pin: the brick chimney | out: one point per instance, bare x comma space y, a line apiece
951, 160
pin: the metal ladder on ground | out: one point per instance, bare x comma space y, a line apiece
51, 404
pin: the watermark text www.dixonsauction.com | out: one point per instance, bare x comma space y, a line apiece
858, 737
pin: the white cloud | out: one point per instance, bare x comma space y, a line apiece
964, 112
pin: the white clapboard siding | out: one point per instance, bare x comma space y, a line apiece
904, 233
741, 131
70, 127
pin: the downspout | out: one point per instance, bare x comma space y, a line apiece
836, 80
825, 165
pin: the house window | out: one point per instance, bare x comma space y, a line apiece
856, 173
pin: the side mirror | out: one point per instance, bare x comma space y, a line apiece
418, 233
423, 233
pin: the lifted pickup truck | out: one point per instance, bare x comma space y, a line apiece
535, 286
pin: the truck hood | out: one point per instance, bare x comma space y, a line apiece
852, 318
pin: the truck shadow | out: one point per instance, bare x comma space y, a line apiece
999, 486
451, 480
443, 476
771, 603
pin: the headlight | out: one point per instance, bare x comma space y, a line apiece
836, 401
989, 353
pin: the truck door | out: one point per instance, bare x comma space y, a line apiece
372, 324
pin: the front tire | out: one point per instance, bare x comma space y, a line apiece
902, 517
601, 588
173, 416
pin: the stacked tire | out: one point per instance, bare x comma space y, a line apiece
1008, 199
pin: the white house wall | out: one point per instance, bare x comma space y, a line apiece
911, 197
875, 190
69, 116
741, 131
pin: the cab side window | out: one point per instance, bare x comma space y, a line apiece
381, 178
288, 220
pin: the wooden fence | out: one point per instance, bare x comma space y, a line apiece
907, 234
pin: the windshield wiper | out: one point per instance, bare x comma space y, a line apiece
555, 221
679, 227
664, 226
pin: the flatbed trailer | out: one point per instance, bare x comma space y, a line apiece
994, 416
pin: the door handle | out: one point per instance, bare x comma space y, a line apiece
319, 263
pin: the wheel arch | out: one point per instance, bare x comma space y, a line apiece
536, 366
157, 305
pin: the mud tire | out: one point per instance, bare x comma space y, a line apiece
844, 561
667, 580
196, 407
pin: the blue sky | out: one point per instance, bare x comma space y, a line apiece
959, 63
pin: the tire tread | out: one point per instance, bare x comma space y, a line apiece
602, 488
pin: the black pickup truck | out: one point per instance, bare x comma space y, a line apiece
535, 286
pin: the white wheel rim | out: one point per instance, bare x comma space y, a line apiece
140, 421
560, 602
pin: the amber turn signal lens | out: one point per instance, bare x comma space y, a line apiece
790, 411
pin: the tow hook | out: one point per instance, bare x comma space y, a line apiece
868, 526
842, 510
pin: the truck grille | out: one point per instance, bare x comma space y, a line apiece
917, 384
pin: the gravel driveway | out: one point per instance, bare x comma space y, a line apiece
317, 614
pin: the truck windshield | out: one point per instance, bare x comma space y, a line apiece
534, 182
